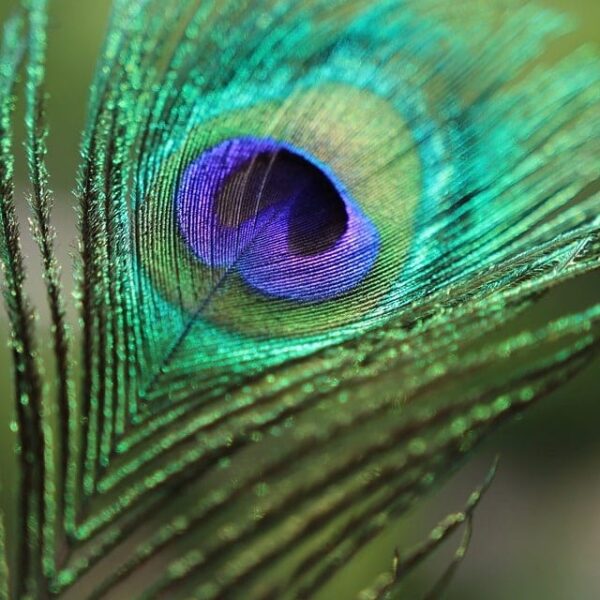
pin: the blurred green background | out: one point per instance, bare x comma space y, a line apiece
537, 533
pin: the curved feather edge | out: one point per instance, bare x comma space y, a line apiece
387, 585
28, 385
58, 509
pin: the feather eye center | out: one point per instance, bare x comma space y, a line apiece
278, 218
317, 212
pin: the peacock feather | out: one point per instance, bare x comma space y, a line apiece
304, 226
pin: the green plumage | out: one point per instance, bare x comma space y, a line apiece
303, 226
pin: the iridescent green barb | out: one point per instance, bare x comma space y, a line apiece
388, 585
28, 387
57, 499
303, 227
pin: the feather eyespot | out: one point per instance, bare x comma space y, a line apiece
261, 208
280, 231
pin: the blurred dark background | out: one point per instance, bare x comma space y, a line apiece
537, 533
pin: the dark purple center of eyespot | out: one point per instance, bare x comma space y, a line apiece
280, 175
274, 215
